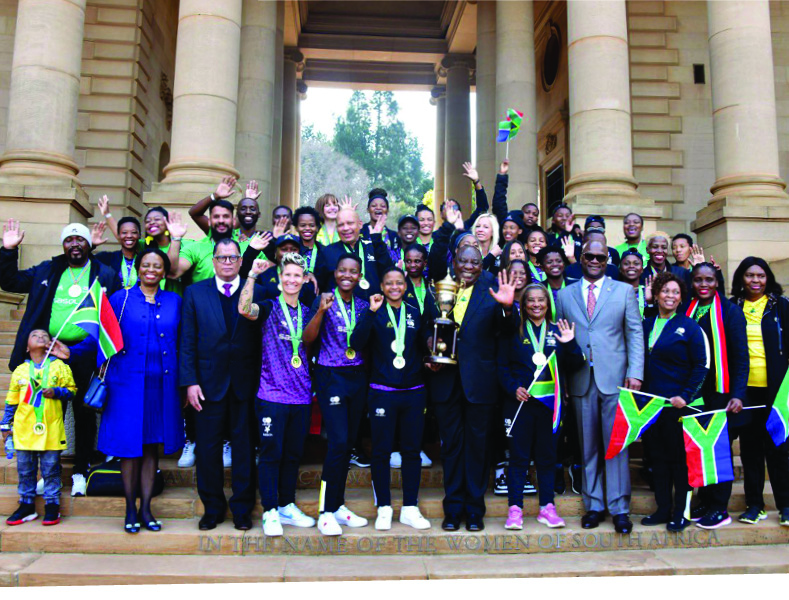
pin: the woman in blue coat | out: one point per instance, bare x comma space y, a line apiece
143, 408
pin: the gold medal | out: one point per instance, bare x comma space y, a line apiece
295, 362
394, 346
364, 284
350, 353
75, 290
398, 362
539, 359
39, 429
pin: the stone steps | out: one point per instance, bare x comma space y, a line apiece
103, 535
25, 569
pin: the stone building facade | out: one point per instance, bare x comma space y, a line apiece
678, 110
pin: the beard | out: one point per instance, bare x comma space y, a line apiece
221, 235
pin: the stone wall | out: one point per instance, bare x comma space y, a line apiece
7, 26
779, 21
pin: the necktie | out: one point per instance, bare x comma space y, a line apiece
591, 301
227, 287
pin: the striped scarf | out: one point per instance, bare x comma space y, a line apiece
720, 355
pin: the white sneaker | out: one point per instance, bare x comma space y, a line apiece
328, 525
345, 516
292, 515
187, 456
384, 520
271, 525
227, 456
395, 460
426, 462
40, 487
410, 515
78, 485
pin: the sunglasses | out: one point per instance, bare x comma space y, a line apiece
227, 259
590, 257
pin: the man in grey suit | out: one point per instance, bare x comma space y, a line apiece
609, 331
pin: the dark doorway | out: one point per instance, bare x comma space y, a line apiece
554, 188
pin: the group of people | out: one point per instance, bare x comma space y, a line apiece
243, 328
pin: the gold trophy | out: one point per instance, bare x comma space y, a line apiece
445, 330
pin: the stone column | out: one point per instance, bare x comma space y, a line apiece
276, 138
294, 61
601, 148
486, 92
255, 123
439, 100
515, 88
205, 95
748, 212
301, 92
458, 69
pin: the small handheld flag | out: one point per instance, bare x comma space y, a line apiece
635, 413
96, 317
707, 449
509, 128
547, 389
778, 421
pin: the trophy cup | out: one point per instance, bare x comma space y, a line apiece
445, 330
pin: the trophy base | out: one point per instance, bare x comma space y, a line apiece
441, 360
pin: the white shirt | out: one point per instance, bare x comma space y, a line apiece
596, 291
220, 285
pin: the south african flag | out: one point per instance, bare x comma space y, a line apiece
547, 389
778, 421
707, 449
96, 317
635, 412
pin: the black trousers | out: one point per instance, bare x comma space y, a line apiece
283, 429
210, 426
342, 397
386, 410
756, 447
85, 424
465, 430
532, 436
664, 443
568, 447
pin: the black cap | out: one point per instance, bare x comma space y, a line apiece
515, 216
406, 219
594, 219
288, 237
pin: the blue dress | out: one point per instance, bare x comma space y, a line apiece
152, 425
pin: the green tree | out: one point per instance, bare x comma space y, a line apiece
372, 136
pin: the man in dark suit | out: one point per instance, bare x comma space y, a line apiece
465, 396
220, 362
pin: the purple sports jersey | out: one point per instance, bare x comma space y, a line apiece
280, 382
333, 338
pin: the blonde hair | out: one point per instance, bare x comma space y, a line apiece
321, 203
494, 225
292, 258
659, 234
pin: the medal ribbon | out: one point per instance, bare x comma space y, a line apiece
420, 291
538, 345
295, 334
718, 343
553, 302
641, 297
360, 254
131, 274
36, 399
311, 260
656, 332
350, 322
536, 274
398, 327
75, 280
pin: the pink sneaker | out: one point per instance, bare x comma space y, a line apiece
514, 518
549, 517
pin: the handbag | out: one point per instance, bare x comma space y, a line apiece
96, 394
105, 480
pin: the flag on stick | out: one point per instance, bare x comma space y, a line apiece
96, 317
635, 412
707, 449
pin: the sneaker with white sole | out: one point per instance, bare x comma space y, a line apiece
500, 485
40, 487
528, 487
271, 525
395, 460
514, 518
410, 515
187, 456
78, 484
426, 462
548, 516
227, 455
328, 525
292, 515
384, 520
26, 512
347, 517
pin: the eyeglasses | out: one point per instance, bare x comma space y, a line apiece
590, 257
233, 258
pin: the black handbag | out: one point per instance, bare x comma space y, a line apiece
105, 480
96, 394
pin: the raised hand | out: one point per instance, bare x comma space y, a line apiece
713, 263
97, 234
454, 216
175, 226
252, 190
648, 289
326, 301
379, 225
696, 255
505, 295
259, 266
260, 240
568, 226
280, 227
346, 202
496, 250
226, 187
104, 206
470, 172
12, 236
376, 301
568, 245
504, 167
59, 350
566, 331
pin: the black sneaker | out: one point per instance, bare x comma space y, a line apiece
51, 514
576, 478
678, 524
714, 519
783, 518
653, 520
359, 458
559, 484
23, 514
752, 515
697, 513
500, 485
528, 488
